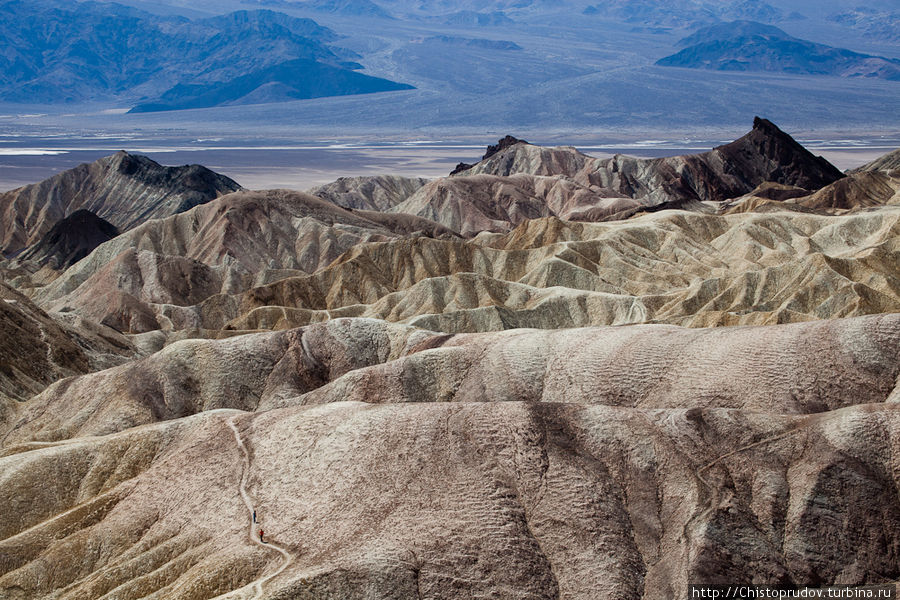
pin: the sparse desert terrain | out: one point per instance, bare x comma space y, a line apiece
547, 375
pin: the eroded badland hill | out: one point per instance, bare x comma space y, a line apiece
545, 376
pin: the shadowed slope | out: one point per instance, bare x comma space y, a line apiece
632, 500
191, 376
511, 500
755, 368
70, 240
674, 267
37, 350
765, 154
194, 271
124, 189
225, 246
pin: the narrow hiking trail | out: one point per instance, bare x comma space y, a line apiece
254, 536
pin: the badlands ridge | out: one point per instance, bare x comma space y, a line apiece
547, 375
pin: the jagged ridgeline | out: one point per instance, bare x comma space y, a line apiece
755, 231
522, 380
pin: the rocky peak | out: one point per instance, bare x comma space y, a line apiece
130, 164
767, 153
124, 188
502, 144
460, 167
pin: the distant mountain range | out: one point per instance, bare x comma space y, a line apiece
587, 65
678, 12
356, 8
73, 52
883, 25
752, 46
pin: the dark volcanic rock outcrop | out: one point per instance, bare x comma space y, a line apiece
124, 189
282, 259
478, 435
460, 167
70, 240
765, 154
590, 189
504, 143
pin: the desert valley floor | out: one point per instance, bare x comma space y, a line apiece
546, 375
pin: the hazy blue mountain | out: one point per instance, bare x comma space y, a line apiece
750, 46
449, 7
292, 80
71, 52
355, 8
732, 30
475, 42
681, 13
61, 53
884, 25
575, 72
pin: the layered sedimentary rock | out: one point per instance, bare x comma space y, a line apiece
859, 190
472, 204
764, 154
378, 192
864, 189
888, 163
532, 160
775, 368
225, 246
264, 259
36, 349
191, 376
485, 432
124, 189
600, 489
673, 267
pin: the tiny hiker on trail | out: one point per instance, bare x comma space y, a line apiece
254, 516
261, 536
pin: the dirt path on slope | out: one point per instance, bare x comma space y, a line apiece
252, 532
